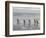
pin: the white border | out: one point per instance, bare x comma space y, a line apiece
29, 31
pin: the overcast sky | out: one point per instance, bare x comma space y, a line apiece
26, 11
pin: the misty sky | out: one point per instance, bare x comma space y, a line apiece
26, 11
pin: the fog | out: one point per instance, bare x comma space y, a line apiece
26, 18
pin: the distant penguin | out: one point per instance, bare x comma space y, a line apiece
17, 21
